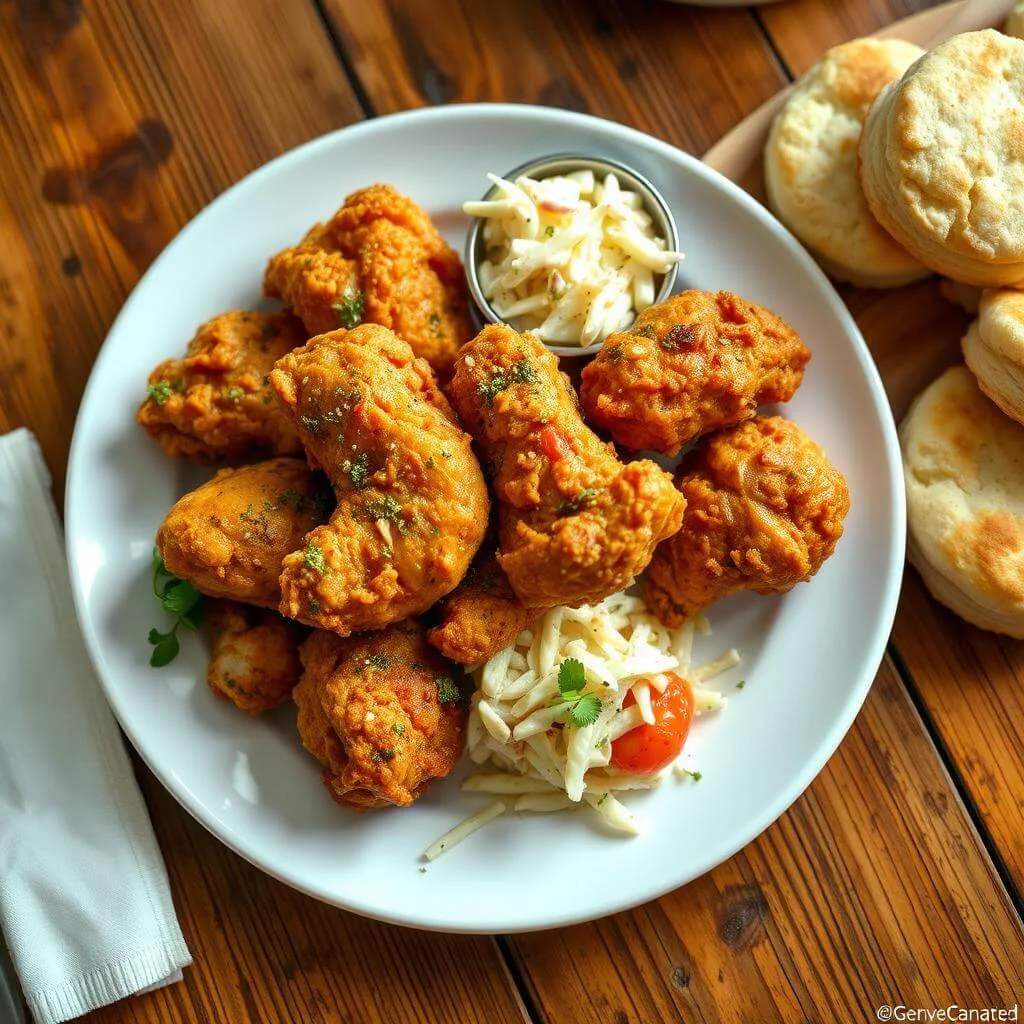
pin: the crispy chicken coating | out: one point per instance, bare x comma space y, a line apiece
764, 509
378, 260
574, 523
482, 616
216, 403
381, 712
412, 502
694, 363
229, 537
254, 660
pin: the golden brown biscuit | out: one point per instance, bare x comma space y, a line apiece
964, 466
994, 350
941, 159
811, 174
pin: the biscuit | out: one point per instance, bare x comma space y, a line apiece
994, 350
964, 466
942, 159
1014, 24
811, 164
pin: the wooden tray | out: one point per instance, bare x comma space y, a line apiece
912, 332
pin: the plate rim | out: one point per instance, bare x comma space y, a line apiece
860, 684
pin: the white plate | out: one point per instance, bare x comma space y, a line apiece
809, 657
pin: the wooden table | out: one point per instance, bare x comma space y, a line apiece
897, 878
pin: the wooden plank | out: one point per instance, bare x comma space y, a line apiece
802, 30
872, 889
266, 953
972, 684
120, 121
649, 64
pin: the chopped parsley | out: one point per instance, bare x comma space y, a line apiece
382, 756
615, 353
359, 471
235, 394
583, 498
696, 776
313, 559
311, 423
448, 690
647, 331
160, 391
398, 728
379, 661
290, 497
350, 309
180, 599
583, 708
741, 684
313, 606
520, 372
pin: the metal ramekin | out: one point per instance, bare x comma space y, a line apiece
564, 163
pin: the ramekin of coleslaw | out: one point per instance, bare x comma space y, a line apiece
571, 248
587, 704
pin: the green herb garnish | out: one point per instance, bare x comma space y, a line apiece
381, 756
379, 661
163, 389
290, 497
235, 394
520, 372
180, 599
313, 559
359, 471
398, 729
448, 690
388, 509
696, 776
313, 606
741, 684
583, 498
583, 708
350, 310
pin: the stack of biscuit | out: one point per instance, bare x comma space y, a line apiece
890, 164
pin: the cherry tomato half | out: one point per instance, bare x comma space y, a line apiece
649, 748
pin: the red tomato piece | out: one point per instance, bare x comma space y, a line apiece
649, 748
554, 446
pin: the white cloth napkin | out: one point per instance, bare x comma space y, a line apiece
84, 902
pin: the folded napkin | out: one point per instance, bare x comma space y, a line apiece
85, 906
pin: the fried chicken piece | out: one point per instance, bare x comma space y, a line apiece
764, 509
574, 523
378, 260
216, 403
229, 537
482, 616
254, 661
694, 363
381, 713
412, 502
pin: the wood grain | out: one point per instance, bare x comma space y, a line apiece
649, 64
266, 953
802, 30
872, 889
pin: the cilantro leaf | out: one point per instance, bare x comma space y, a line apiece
585, 711
180, 597
572, 677
165, 650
